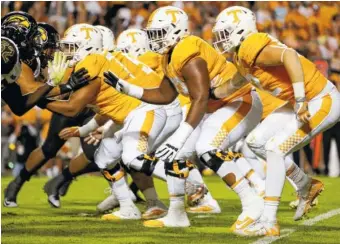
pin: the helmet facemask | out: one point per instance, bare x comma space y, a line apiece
158, 40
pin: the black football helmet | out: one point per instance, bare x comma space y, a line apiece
50, 42
22, 29
10, 64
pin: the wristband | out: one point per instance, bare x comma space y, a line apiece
87, 128
299, 90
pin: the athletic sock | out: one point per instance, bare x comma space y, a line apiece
245, 193
297, 175
274, 184
250, 174
121, 191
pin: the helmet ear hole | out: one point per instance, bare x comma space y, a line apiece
240, 32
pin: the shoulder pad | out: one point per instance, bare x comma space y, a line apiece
252, 46
93, 63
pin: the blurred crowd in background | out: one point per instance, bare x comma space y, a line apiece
312, 28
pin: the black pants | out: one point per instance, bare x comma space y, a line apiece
328, 135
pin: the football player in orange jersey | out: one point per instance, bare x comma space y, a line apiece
195, 70
135, 43
272, 66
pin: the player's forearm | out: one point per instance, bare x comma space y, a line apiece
293, 66
156, 96
54, 92
66, 108
33, 98
197, 110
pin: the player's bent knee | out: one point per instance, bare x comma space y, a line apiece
273, 147
178, 169
109, 152
213, 159
49, 149
113, 174
256, 144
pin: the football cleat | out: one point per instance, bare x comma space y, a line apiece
206, 205
306, 197
180, 220
64, 188
195, 192
51, 190
295, 203
107, 204
155, 209
262, 228
249, 216
11, 192
124, 213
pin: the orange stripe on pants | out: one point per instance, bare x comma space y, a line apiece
314, 122
233, 121
145, 131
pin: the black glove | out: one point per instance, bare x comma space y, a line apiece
77, 80
111, 80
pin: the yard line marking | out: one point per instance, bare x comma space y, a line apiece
308, 222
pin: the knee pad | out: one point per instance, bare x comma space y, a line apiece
178, 169
148, 164
214, 159
49, 149
113, 174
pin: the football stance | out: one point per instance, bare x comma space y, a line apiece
272, 66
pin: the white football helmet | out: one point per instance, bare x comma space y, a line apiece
108, 38
232, 26
166, 27
81, 40
133, 42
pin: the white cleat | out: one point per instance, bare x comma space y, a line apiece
306, 197
109, 203
262, 228
10, 204
155, 209
178, 220
54, 201
124, 213
206, 205
250, 215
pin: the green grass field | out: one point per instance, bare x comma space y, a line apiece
76, 222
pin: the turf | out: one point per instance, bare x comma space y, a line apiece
76, 222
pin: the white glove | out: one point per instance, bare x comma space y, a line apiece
168, 151
57, 69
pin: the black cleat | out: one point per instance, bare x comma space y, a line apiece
50, 188
64, 188
11, 193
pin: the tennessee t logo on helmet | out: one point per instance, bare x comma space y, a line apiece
133, 36
87, 30
235, 15
173, 14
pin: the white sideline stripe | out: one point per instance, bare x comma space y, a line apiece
308, 222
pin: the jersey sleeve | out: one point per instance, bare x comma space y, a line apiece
93, 63
252, 46
154, 61
185, 50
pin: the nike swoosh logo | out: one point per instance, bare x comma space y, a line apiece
244, 224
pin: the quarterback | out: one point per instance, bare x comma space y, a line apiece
272, 66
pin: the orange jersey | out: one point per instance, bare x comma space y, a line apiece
154, 61
110, 102
275, 79
220, 70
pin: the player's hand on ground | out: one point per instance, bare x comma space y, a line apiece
69, 132
77, 80
57, 69
95, 137
302, 113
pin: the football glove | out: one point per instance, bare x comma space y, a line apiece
76, 81
123, 86
57, 69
